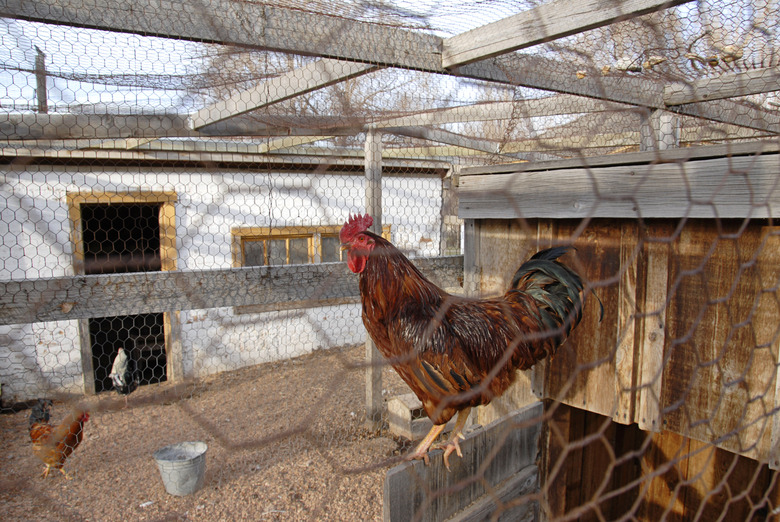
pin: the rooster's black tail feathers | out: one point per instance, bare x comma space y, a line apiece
556, 288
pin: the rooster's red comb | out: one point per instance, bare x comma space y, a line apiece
354, 226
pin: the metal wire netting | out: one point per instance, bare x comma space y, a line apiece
175, 177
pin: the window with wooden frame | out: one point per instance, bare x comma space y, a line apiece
264, 246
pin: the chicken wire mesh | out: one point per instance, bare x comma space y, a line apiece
175, 177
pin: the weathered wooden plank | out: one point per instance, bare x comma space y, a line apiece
493, 454
552, 75
28, 126
78, 297
539, 380
305, 79
17, 126
543, 23
246, 24
548, 106
584, 367
333, 161
684, 479
509, 498
99, 126
754, 81
549, 74
768, 335
625, 354
174, 348
633, 158
451, 138
734, 113
652, 333
725, 187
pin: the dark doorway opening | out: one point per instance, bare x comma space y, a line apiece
118, 238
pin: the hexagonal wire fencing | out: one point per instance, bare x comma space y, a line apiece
175, 177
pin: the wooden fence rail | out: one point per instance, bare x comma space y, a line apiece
275, 287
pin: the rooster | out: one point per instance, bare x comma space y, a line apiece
53, 445
456, 352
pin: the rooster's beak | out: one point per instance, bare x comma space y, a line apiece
344, 247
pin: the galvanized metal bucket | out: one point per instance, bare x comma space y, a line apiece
182, 467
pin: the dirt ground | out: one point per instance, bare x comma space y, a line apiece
287, 441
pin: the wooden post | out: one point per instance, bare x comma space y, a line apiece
647, 140
668, 130
87, 366
373, 158
450, 224
471, 270
40, 81
659, 130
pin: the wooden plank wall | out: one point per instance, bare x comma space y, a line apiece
593, 468
689, 338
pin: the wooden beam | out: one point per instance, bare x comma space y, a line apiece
625, 354
738, 187
92, 126
555, 105
86, 296
234, 147
27, 126
450, 138
544, 23
333, 159
544, 73
302, 80
147, 149
755, 81
635, 158
245, 24
128, 127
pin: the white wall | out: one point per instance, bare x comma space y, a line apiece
35, 242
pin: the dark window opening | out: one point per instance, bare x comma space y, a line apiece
141, 336
120, 238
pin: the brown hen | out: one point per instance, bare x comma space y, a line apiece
53, 445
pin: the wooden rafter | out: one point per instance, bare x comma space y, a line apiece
142, 128
302, 80
541, 24
745, 83
552, 75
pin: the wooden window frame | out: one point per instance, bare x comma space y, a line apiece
168, 257
239, 236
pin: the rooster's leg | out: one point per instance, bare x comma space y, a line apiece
421, 451
46, 471
457, 433
62, 470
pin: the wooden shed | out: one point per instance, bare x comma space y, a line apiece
667, 405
